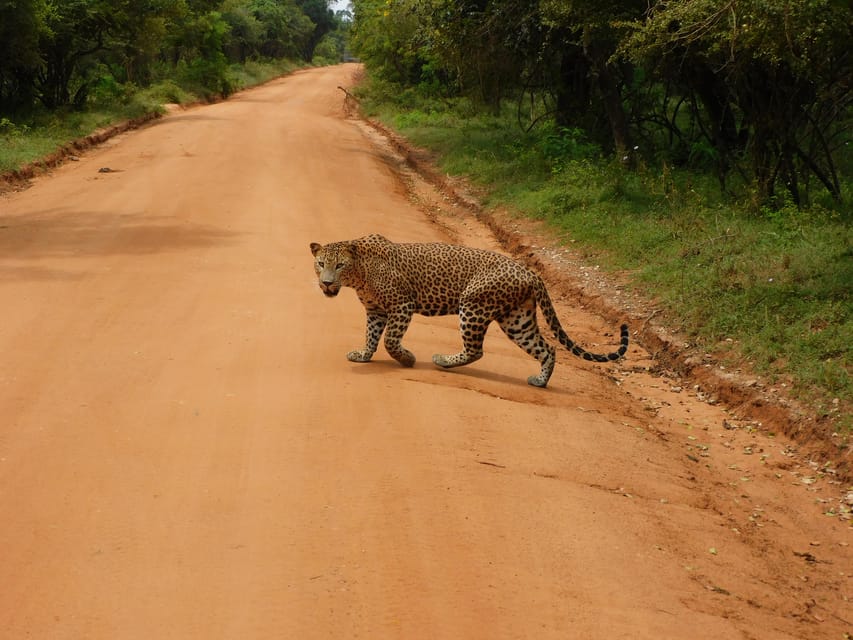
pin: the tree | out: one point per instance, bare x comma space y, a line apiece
73, 31
388, 36
205, 37
246, 31
486, 44
765, 80
21, 25
141, 35
286, 29
590, 35
323, 17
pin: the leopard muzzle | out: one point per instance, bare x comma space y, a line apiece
330, 289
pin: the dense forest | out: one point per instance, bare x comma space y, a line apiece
755, 89
62, 53
758, 90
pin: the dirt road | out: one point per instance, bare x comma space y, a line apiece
186, 453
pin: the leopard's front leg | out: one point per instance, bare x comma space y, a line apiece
376, 321
398, 322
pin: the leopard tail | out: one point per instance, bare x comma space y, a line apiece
550, 315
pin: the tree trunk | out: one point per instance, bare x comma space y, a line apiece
572, 88
723, 128
608, 87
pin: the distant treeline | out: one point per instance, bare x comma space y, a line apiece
755, 89
56, 53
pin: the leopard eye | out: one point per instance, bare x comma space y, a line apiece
340, 265
320, 263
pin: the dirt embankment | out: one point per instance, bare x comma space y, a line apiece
20, 178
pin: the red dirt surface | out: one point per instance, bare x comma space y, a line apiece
185, 452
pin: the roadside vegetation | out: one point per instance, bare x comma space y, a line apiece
700, 147
69, 67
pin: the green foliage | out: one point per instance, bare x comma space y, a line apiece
9, 129
84, 53
330, 50
323, 21
561, 145
756, 91
20, 26
256, 72
73, 32
208, 70
286, 30
769, 77
166, 92
245, 32
388, 36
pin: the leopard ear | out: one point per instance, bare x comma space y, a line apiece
315, 248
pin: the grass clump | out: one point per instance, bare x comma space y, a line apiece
43, 134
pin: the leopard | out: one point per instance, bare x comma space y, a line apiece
394, 281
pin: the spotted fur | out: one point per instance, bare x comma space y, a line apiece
395, 281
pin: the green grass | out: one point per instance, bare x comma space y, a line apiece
769, 288
21, 144
253, 73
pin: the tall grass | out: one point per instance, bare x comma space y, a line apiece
772, 289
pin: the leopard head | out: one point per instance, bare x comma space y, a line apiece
333, 264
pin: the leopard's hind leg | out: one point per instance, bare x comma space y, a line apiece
521, 327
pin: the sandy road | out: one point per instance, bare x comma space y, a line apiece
186, 453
